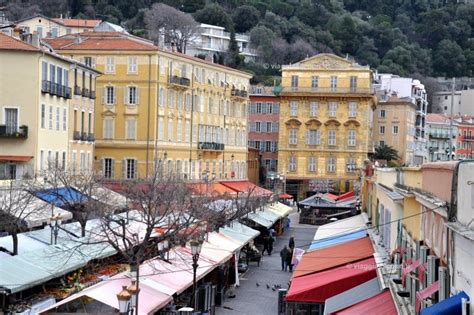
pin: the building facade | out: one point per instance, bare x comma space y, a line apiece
462, 102
35, 109
465, 137
163, 111
442, 135
394, 125
46, 27
264, 121
326, 109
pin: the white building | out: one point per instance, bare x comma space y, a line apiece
388, 84
439, 131
214, 40
463, 102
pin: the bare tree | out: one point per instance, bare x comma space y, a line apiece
171, 25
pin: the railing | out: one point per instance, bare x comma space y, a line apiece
77, 90
468, 137
76, 135
84, 136
328, 90
91, 137
92, 95
55, 89
439, 135
85, 92
10, 132
212, 146
181, 81
238, 93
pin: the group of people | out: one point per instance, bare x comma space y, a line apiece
286, 255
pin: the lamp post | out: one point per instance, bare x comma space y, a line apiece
133, 290
124, 298
55, 223
196, 246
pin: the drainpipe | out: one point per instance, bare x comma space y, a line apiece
148, 118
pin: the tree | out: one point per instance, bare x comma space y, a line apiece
385, 152
214, 14
233, 57
448, 59
171, 25
245, 18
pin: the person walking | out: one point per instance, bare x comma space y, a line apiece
284, 256
288, 260
271, 240
265, 245
291, 243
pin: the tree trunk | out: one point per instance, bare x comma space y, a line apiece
15, 243
83, 228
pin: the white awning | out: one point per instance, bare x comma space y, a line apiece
340, 227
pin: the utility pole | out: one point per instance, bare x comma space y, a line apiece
450, 152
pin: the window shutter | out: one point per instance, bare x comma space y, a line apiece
104, 95
112, 168
115, 95
125, 95
307, 137
124, 169
137, 100
103, 167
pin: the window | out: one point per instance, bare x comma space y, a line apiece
351, 165
312, 164
171, 99
43, 115
331, 165
269, 126
258, 126
131, 129
68, 31
110, 65
274, 147
332, 137
54, 32
82, 165
292, 136
132, 95
41, 160
179, 130
52, 73
11, 120
132, 64
39, 31
270, 108
395, 130
353, 83
313, 109
275, 127
108, 128
89, 61
108, 168
382, 113
50, 118
63, 163
44, 71
58, 118
314, 81
382, 130
313, 137
109, 95
294, 82
89, 124
292, 163
65, 118
333, 83
161, 129
351, 138
170, 129
130, 168
352, 109
187, 131
293, 108
381, 143
332, 109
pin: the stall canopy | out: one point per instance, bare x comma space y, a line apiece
350, 297
341, 227
264, 218
222, 241
452, 305
62, 196
381, 304
338, 239
279, 208
285, 196
247, 188
316, 288
334, 256
239, 232
214, 189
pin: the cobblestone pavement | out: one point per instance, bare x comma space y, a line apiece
253, 299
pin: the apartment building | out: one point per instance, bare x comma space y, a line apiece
35, 108
387, 85
214, 40
326, 108
462, 102
465, 137
46, 27
442, 135
162, 111
264, 125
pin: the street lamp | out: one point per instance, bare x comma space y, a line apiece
124, 300
133, 290
55, 223
196, 246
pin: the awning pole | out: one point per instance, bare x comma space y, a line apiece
236, 258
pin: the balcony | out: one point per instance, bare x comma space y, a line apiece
326, 91
90, 137
11, 132
77, 135
85, 92
210, 146
179, 82
468, 138
92, 95
439, 135
238, 93
84, 136
56, 89
77, 90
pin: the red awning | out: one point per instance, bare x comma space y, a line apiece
247, 187
318, 287
423, 294
381, 304
345, 196
286, 196
211, 189
334, 256
15, 158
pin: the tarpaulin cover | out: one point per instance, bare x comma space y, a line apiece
381, 304
452, 305
239, 232
62, 196
280, 209
340, 227
334, 256
247, 187
285, 196
264, 218
339, 239
320, 286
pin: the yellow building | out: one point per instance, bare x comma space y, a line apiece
325, 123
35, 108
163, 111
47, 27
394, 125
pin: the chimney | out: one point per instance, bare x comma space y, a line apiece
35, 40
78, 39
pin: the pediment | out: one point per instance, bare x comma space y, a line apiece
313, 122
109, 113
293, 122
352, 122
328, 61
332, 122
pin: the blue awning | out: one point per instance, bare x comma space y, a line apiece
337, 239
61, 196
452, 305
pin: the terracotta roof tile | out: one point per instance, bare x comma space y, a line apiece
77, 22
11, 43
437, 118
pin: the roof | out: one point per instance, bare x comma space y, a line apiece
16, 158
211, 189
340, 239
77, 22
437, 118
11, 43
334, 256
380, 304
316, 288
247, 187
441, 165
61, 196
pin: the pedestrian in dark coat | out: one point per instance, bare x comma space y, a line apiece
271, 240
284, 256
289, 258
265, 244
291, 242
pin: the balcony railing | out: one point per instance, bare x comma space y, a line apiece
91, 137
77, 90
468, 138
211, 146
92, 95
56, 89
77, 135
238, 93
7, 131
85, 92
84, 136
439, 135
326, 90
179, 81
